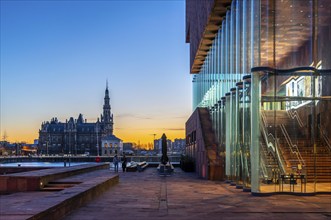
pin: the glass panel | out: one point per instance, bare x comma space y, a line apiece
293, 34
233, 136
239, 137
232, 44
227, 56
255, 132
222, 58
294, 47
295, 150
246, 133
228, 138
323, 107
269, 134
222, 130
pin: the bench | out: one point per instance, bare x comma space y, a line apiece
141, 166
131, 168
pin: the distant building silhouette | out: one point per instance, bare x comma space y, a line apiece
77, 136
128, 146
178, 145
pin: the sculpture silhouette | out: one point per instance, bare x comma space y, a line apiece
164, 157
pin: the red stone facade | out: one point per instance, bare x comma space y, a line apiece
195, 146
197, 13
202, 146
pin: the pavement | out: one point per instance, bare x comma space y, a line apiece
146, 195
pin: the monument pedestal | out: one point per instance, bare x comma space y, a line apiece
165, 170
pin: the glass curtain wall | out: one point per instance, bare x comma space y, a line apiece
231, 56
291, 99
273, 126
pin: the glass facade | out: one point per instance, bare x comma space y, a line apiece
266, 81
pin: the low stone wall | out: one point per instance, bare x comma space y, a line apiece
74, 197
36, 180
9, 170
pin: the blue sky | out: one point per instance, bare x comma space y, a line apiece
57, 55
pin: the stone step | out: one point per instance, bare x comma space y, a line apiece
57, 186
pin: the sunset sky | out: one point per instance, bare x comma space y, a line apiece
57, 55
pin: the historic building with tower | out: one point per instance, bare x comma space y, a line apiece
77, 136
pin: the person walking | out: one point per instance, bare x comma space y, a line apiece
124, 161
115, 161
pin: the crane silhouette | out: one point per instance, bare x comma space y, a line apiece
153, 140
153, 135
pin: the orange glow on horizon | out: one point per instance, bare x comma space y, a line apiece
144, 137
139, 136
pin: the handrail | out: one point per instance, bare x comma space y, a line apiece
280, 155
325, 137
262, 165
291, 145
294, 114
281, 161
264, 119
266, 136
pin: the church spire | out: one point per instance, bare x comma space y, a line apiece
107, 91
107, 116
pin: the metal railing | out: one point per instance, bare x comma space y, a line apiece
150, 159
293, 114
291, 145
270, 139
264, 170
325, 138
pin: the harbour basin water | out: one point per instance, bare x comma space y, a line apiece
43, 164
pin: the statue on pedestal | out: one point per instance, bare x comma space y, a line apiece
164, 157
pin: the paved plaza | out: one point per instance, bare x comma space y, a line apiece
146, 195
